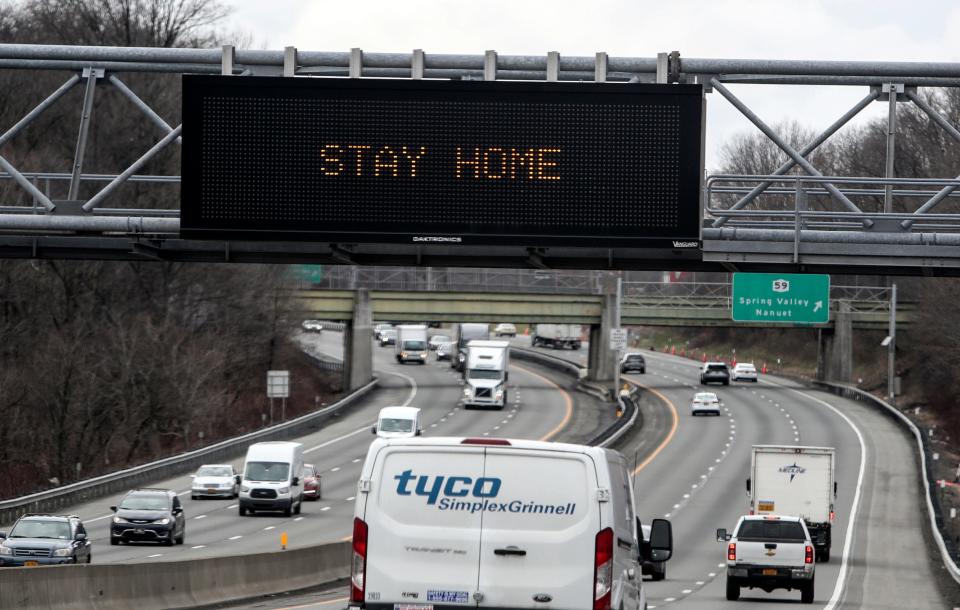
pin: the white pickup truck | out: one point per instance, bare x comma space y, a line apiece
769, 552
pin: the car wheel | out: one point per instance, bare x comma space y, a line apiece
193, 497
288, 511
243, 510
806, 593
733, 590
296, 510
114, 541
660, 575
726, 382
168, 542
90, 558
179, 539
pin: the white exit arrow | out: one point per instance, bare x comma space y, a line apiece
818, 306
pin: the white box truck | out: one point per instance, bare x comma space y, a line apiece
496, 523
465, 334
271, 478
412, 344
557, 336
485, 375
796, 481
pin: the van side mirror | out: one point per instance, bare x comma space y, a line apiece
295, 481
661, 540
3, 535
113, 508
506, 375
834, 489
373, 429
722, 535
419, 431
80, 537
237, 479
748, 485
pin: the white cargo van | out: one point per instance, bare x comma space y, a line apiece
412, 344
271, 478
485, 375
495, 523
398, 422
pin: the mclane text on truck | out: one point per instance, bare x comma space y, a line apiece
486, 374
557, 336
798, 481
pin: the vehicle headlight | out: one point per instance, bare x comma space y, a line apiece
423, 354
245, 489
164, 521
119, 520
283, 490
63, 552
467, 392
5, 550
226, 485
499, 394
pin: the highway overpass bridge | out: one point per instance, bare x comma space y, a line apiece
642, 304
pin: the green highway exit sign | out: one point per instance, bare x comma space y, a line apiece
787, 298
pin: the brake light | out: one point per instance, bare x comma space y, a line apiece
358, 569
732, 551
485, 441
603, 570
808, 555
832, 515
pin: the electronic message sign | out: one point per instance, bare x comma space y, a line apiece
442, 162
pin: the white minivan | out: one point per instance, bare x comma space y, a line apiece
398, 422
441, 523
271, 478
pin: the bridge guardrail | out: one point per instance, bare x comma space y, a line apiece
934, 510
52, 500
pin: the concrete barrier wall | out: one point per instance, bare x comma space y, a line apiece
173, 584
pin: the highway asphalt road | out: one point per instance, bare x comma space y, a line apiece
692, 470
538, 409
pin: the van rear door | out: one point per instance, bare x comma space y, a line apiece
423, 520
539, 531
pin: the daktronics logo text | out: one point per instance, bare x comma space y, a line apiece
438, 239
479, 495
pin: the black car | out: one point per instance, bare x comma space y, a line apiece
715, 372
633, 363
43, 540
148, 515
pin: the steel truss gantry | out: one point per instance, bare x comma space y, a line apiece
837, 224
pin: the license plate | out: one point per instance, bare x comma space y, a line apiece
765, 506
31, 564
769, 571
139, 531
211, 491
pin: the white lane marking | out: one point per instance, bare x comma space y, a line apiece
238, 537
157, 555
504, 421
406, 403
670, 599
433, 425
700, 583
200, 517
335, 469
325, 508
351, 498
199, 546
685, 496
299, 519
687, 591
356, 460
443, 419
233, 506
711, 574
721, 565
269, 527
98, 518
851, 526
496, 427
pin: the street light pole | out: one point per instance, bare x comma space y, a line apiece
892, 347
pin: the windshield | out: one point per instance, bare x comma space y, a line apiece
389, 424
307, 471
414, 345
717, 367
267, 471
440, 339
634, 358
215, 471
145, 502
705, 397
41, 529
483, 374
778, 531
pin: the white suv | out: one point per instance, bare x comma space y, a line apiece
505, 329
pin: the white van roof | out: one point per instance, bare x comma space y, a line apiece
399, 412
492, 443
272, 449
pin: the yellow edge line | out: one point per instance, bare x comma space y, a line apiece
566, 398
673, 428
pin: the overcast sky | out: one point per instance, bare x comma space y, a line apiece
895, 30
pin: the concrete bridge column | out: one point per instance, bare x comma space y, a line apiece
357, 342
835, 348
602, 361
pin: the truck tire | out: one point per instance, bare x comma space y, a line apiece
243, 510
824, 555
660, 575
733, 590
806, 593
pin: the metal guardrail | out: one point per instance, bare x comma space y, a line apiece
948, 549
52, 500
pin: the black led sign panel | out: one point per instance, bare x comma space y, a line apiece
448, 162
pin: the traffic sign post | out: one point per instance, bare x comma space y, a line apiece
278, 386
618, 339
783, 298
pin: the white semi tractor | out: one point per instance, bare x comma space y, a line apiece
485, 374
796, 481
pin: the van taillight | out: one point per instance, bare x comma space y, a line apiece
485, 441
603, 570
732, 551
358, 569
808, 556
